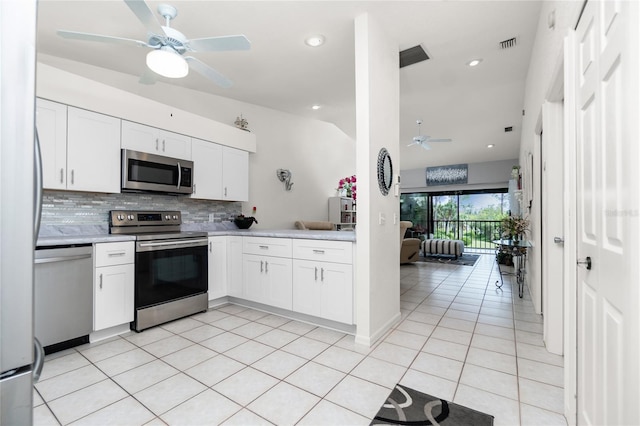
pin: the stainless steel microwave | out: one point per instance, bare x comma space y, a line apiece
149, 172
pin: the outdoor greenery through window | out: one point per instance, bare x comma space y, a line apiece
473, 217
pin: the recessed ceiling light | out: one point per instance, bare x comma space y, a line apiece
316, 107
315, 41
474, 62
490, 145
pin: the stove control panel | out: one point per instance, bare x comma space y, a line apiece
119, 218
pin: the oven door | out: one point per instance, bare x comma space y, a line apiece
168, 270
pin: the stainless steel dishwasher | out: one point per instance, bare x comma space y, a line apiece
63, 296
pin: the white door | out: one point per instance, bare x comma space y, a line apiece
217, 267
113, 296
235, 174
336, 280
174, 145
51, 121
234, 266
608, 213
278, 282
306, 287
207, 170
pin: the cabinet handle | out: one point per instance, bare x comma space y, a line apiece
210, 247
72, 176
117, 253
266, 267
194, 188
322, 274
100, 281
264, 247
318, 251
61, 175
163, 144
225, 191
157, 146
261, 266
316, 268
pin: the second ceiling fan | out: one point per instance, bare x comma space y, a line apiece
169, 45
424, 140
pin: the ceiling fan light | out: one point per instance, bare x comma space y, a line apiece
474, 62
315, 40
168, 63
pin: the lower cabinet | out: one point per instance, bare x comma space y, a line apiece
323, 289
217, 267
267, 280
234, 266
113, 284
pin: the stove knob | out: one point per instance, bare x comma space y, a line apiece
130, 217
175, 217
120, 217
167, 217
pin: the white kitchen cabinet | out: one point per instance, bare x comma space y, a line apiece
113, 292
234, 266
51, 122
323, 279
139, 137
267, 271
207, 170
323, 289
235, 174
268, 280
220, 172
93, 155
217, 267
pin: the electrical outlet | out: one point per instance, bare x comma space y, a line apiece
212, 217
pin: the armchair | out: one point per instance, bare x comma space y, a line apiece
409, 247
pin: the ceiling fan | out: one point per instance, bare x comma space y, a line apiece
423, 140
169, 45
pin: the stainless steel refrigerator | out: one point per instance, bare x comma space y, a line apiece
19, 208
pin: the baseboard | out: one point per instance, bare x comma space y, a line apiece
214, 303
370, 340
109, 332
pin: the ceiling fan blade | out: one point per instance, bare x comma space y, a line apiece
101, 38
216, 44
414, 143
425, 146
148, 77
208, 72
439, 140
145, 15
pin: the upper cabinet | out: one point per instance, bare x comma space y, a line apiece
139, 137
220, 172
51, 122
80, 149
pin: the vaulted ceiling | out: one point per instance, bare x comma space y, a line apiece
472, 106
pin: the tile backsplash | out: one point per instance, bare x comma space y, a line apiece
89, 208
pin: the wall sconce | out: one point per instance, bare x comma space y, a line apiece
284, 175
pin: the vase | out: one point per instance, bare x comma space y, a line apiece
348, 193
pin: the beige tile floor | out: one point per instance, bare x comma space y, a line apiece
459, 339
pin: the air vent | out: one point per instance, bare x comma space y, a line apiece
412, 55
506, 44
508, 129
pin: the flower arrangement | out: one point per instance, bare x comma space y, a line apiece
514, 226
348, 185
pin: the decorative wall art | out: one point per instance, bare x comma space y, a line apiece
455, 174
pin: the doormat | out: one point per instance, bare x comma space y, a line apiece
406, 406
464, 260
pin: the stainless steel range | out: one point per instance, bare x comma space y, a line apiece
171, 266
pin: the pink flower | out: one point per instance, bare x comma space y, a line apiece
353, 179
347, 179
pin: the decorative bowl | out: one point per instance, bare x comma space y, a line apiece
244, 222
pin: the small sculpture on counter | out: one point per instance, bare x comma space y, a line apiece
241, 123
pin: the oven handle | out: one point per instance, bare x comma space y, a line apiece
166, 245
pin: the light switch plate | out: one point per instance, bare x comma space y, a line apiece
381, 218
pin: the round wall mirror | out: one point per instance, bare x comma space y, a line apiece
385, 171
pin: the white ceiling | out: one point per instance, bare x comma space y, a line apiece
470, 105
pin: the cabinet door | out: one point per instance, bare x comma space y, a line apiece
336, 282
207, 170
306, 287
93, 151
51, 122
235, 174
113, 296
234, 266
217, 267
278, 282
253, 278
174, 145
139, 137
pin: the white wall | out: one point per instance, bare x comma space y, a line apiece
547, 48
377, 126
317, 153
486, 175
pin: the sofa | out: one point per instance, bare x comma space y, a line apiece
409, 247
442, 246
315, 225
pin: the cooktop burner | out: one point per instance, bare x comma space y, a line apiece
150, 225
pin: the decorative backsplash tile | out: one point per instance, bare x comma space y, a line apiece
92, 209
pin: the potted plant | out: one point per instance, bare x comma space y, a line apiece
245, 222
514, 227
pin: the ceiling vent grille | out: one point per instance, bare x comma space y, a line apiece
506, 44
412, 55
